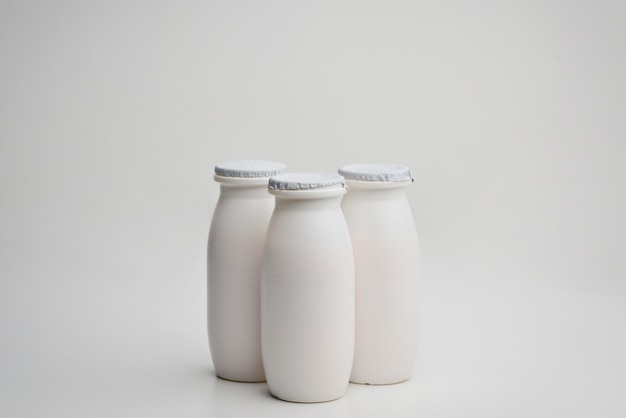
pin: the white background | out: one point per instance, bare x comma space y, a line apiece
511, 115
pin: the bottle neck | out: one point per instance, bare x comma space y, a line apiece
256, 191
319, 203
377, 190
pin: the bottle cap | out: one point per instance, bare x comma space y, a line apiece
249, 168
376, 172
305, 181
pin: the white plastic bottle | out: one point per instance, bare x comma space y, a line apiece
386, 253
235, 247
307, 290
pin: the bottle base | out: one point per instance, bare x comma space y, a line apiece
303, 401
240, 380
374, 382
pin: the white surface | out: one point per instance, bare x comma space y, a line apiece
510, 116
307, 295
386, 270
235, 250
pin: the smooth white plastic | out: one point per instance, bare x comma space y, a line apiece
386, 254
307, 291
235, 247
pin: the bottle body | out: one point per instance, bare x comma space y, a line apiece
307, 292
386, 255
235, 247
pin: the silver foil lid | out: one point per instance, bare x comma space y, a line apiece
249, 168
376, 172
304, 181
